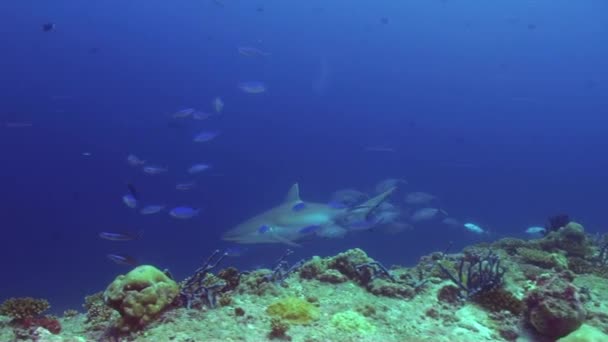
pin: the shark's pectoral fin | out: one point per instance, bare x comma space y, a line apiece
284, 240
294, 194
332, 232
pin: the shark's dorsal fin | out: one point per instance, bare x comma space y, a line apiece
294, 194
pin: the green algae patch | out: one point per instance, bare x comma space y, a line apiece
293, 310
352, 322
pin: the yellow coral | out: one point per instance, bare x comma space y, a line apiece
293, 310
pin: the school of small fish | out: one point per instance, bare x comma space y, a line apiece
132, 199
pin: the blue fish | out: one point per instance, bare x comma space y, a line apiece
184, 212
122, 259
309, 229
120, 236
298, 206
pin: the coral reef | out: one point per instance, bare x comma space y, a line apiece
24, 307
99, 315
546, 289
140, 296
554, 307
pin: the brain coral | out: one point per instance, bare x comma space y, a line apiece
140, 296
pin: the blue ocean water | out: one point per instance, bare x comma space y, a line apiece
497, 108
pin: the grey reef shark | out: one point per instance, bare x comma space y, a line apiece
294, 219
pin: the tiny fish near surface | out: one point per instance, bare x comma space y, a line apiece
184, 212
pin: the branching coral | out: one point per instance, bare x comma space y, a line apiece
477, 273
202, 288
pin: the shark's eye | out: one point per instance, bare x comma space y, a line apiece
263, 229
298, 206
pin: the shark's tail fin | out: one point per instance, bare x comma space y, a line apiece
361, 217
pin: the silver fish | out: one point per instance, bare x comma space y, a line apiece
183, 113
425, 214
120, 236
252, 87
419, 198
187, 186
218, 104
129, 200
154, 170
122, 259
249, 51
184, 212
133, 160
197, 168
151, 209
206, 136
